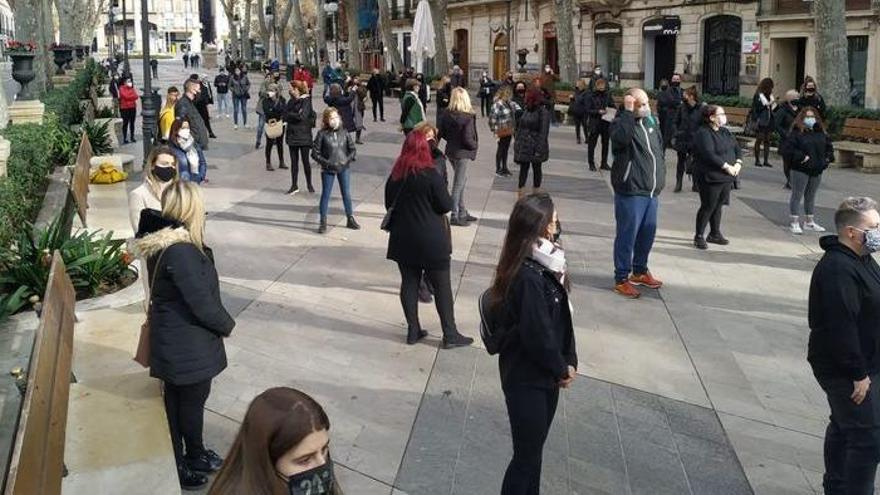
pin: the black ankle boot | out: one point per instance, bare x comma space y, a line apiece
455, 339
352, 224
189, 480
413, 336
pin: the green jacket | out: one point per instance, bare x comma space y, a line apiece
411, 111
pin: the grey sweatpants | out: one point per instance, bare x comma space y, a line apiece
803, 187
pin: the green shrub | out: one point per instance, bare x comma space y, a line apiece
95, 261
99, 137
735, 101
11, 303
64, 103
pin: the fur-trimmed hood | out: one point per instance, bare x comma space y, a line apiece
156, 233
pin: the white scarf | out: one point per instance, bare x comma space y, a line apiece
192, 155
551, 256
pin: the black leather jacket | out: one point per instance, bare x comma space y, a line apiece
333, 150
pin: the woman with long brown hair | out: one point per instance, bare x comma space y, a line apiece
416, 197
763, 104
282, 447
538, 357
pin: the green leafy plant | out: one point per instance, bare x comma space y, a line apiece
97, 262
12, 302
105, 113
100, 91
99, 137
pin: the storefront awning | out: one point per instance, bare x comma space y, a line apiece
669, 25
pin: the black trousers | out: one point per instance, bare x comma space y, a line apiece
485, 105
786, 169
524, 174
579, 124
206, 116
128, 116
185, 410
501, 153
531, 411
852, 439
380, 104
713, 196
680, 166
297, 152
410, 278
762, 135
279, 142
601, 130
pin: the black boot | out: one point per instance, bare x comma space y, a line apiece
269, 167
413, 336
592, 167
700, 243
322, 227
189, 480
678, 185
352, 224
455, 339
207, 462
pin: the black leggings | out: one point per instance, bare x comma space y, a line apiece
410, 278
601, 130
206, 116
762, 136
681, 166
279, 141
185, 410
531, 412
485, 105
501, 153
294, 164
580, 123
128, 116
712, 199
524, 174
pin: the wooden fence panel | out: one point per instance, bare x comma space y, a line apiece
79, 184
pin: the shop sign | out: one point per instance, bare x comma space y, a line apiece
669, 25
608, 29
751, 42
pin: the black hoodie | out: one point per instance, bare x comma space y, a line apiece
844, 313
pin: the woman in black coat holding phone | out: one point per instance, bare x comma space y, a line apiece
529, 295
417, 201
187, 322
717, 162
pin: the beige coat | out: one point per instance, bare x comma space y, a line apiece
140, 198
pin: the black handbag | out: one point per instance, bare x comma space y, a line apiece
389, 213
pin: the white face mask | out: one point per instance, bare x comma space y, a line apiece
644, 111
721, 120
334, 123
129, 84
184, 134
271, 94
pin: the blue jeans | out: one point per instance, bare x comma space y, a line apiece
636, 218
239, 104
327, 179
222, 104
852, 439
261, 123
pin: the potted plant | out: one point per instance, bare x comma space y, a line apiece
63, 54
22, 54
80, 52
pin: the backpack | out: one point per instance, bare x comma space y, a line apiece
492, 332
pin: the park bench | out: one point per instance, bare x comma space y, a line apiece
850, 153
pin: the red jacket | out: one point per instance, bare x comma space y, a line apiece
305, 76
128, 98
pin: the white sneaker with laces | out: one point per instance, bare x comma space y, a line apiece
796, 228
813, 226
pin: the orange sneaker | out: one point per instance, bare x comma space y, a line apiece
645, 279
626, 289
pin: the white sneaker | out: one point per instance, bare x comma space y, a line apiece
813, 226
235, 127
796, 228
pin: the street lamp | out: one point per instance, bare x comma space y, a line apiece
332, 8
126, 70
509, 43
148, 107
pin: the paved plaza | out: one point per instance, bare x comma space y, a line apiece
701, 387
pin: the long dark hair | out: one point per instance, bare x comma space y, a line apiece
765, 86
798, 123
528, 222
276, 421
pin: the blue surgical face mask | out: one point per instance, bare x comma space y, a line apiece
810, 122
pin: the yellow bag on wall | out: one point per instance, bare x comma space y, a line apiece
107, 173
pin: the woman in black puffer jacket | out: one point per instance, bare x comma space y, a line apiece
300, 119
531, 147
342, 102
717, 162
187, 322
809, 151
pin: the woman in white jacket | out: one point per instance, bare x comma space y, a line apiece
161, 171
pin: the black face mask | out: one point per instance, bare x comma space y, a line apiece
164, 174
317, 481
663, 87
675, 84
558, 232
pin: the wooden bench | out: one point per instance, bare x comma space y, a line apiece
37, 463
850, 153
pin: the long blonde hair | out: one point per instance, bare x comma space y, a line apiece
183, 201
503, 94
459, 101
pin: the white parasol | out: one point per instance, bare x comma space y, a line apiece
422, 35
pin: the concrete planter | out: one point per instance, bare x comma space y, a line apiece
115, 129
102, 102
88, 109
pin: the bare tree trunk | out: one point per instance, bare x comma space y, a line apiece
321, 30
438, 15
299, 34
247, 55
93, 17
31, 19
354, 43
388, 38
832, 67
568, 67
228, 7
281, 24
264, 25
68, 15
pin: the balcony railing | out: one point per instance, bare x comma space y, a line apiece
784, 7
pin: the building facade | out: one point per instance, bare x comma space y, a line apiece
175, 25
724, 47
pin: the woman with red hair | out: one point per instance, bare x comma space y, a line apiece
417, 202
531, 147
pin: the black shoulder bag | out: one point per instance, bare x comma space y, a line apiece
389, 214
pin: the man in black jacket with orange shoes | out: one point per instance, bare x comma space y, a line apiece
844, 347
